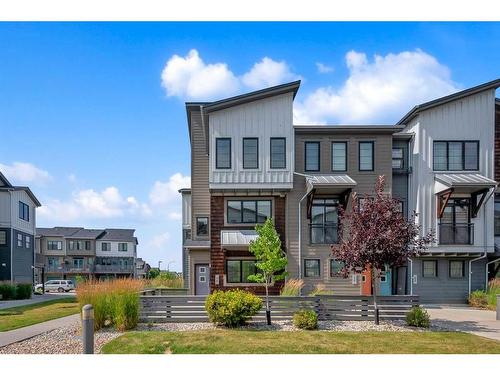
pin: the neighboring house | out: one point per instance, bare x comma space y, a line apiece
142, 268
17, 232
249, 162
75, 252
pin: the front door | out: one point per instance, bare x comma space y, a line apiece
202, 279
401, 280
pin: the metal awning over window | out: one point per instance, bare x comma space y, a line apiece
339, 185
237, 238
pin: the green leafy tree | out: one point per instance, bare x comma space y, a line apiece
153, 273
271, 259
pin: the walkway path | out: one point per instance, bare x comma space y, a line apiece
466, 319
35, 299
24, 333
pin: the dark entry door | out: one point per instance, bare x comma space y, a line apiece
401, 280
202, 280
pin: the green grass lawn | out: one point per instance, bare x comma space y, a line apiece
17, 317
255, 342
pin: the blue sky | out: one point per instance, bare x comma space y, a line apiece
92, 115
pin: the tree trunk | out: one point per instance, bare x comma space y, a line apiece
375, 275
268, 309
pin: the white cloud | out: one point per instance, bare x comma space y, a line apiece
189, 77
323, 68
268, 72
165, 192
175, 215
19, 172
378, 91
159, 241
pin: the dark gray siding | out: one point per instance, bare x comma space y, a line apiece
5, 257
400, 177
443, 289
22, 258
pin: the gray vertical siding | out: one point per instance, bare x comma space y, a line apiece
22, 258
399, 178
5, 253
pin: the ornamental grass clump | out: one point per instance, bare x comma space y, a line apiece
418, 317
115, 302
478, 298
232, 308
305, 319
292, 288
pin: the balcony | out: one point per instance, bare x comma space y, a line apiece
326, 234
66, 268
106, 268
456, 234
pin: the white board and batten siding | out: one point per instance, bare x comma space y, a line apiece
466, 119
264, 119
114, 252
9, 211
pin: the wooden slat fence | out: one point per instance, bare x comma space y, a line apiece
162, 309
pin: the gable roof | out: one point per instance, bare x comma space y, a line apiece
57, 231
126, 235
5, 185
446, 99
3, 181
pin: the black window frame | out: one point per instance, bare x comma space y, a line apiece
108, 246
324, 225
243, 152
435, 268
197, 227
123, 243
241, 221
372, 143
52, 242
337, 274
24, 211
402, 158
448, 155
3, 237
217, 152
240, 261
319, 156
463, 269
318, 262
345, 155
271, 166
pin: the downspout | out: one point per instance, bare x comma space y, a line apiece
486, 277
300, 229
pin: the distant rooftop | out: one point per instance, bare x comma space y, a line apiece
126, 235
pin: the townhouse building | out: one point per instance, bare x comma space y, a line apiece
76, 252
17, 232
250, 162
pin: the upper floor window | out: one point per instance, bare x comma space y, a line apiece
54, 245
339, 156
278, 153
248, 211
79, 245
366, 156
202, 226
24, 211
3, 237
223, 153
455, 226
250, 153
122, 246
324, 221
397, 158
456, 155
105, 246
312, 156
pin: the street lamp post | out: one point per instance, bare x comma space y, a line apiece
159, 263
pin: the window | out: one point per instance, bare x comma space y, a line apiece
237, 271
497, 215
457, 269
366, 156
397, 158
19, 240
54, 245
3, 237
339, 156
324, 221
24, 211
336, 267
78, 263
79, 245
122, 246
311, 268
202, 226
87, 245
250, 153
429, 268
27, 241
106, 246
223, 153
456, 155
248, 211
455, 226
278, 153
312, 156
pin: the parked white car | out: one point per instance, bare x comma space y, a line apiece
57, 286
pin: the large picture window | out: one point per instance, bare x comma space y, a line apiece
238, 270
366, 156
312, 156
278, 153
456, 155
54, 245
324, 221
455, 226
223, 153
250, 153
339, 156
248, 211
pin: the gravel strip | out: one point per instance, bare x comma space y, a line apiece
66, 340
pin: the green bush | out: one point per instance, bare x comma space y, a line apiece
7, 291
23, 291
126, 310
305, 319
418, 317
478, 298
232, 308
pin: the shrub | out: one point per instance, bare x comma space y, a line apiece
478, 298
166, 280
418, 317
23, 291
292, 288
7, 291
305, 319
115, 302
232, 308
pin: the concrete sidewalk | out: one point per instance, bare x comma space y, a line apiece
466, 319
20, 334
35, 299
